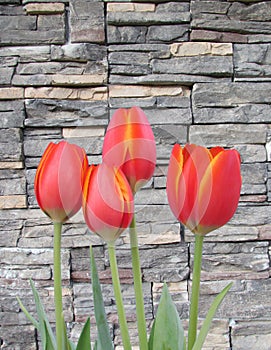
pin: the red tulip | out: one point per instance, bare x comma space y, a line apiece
108, 203
203, 186
59, 180
129, 144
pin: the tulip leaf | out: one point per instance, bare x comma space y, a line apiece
209, 317
42, 319
66, 343
72, 345
168, 333
150, 343
104, 338
48, 341
84, 339
27, 314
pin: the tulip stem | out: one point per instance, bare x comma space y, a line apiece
57, 285
193, 317
117, 291
140, 312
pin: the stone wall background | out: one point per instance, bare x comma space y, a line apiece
201, 70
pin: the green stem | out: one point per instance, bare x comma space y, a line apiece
117, 292
193, 318
57, 285
140, 312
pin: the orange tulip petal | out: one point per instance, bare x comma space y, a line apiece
223, 180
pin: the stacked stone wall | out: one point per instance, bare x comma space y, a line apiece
201, 71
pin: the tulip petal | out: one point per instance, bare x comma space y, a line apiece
129, 144
59, 179
196, 161
223, 176
107, 201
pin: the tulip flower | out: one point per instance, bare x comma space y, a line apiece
203, 186
108, 203
58, 188
203, 189
59, 180
129, 144
108, 207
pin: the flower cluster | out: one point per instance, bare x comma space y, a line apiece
203, 189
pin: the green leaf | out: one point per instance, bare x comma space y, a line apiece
100, 316
72, 345
66, 343
42, 319
168, 333
48, 342
27, 314
84, 339
209, 317
150, 343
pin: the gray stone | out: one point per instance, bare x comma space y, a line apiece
11, 145
128, 58
165, 263
234, 260
252, 153
244, 304
126, 34
165, 79
252, 62
18, 23
147, 18
66, 113
235, 17
87, 21
6, 75
130, 102
26, 53
11, 114
204, 65
227, 135
256, 12
230, 94
167, 33
82, 52
243, 113
12, 182
246, 334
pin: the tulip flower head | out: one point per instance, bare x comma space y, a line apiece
129, 144
108, 203
203, 186
59, 180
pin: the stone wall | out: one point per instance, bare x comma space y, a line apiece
201, 70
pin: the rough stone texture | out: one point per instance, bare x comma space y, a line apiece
201, 72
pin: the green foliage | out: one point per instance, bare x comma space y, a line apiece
209, 317
104, 339
84, 340
167, 332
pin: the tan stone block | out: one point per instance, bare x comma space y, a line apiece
78, 80
146, 91
11, 93
44, 8
168, 237
174, 287
200, 49
58, 93
13, 202
130, 7
83, 132
11, 165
